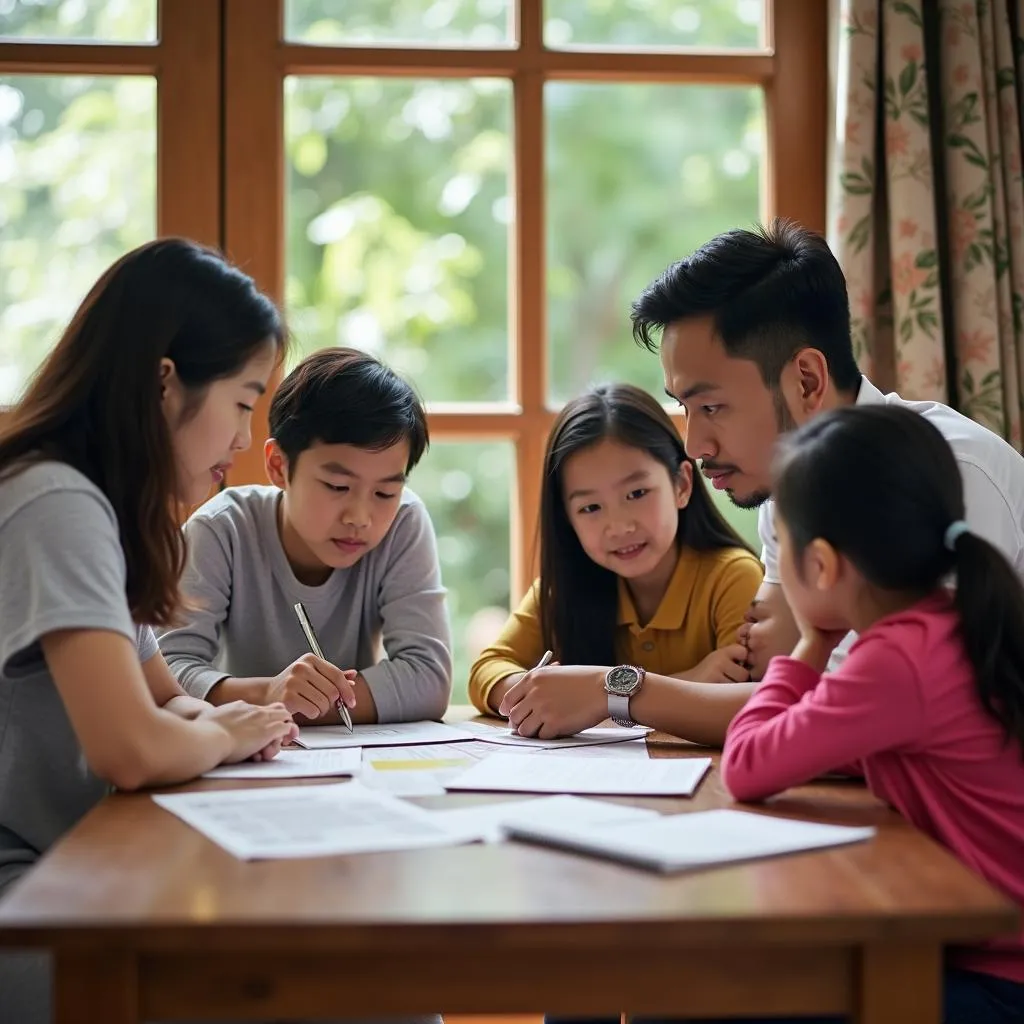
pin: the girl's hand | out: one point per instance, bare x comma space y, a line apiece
726, 665
815, 645
254, 729
558, 700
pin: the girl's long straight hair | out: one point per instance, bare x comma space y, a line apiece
882, 486
578, 598
95, 403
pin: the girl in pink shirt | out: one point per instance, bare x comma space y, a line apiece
929, 703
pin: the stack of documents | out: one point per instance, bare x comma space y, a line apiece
318, 821
681, 841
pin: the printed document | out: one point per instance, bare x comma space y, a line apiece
317, 737
609, 776
308, 821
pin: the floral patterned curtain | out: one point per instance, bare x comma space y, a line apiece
927, 212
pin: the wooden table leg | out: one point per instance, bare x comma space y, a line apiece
93, 987
900, 984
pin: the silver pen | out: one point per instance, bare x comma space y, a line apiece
314, 646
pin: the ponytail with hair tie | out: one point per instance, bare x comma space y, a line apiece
892, 540
953, 532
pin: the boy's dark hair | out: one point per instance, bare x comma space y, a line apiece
95, 401
894, 531
770, 293
578, 598
344, 396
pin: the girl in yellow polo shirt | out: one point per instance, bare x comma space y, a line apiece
640, 574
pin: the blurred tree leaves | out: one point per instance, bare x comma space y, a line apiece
398, 213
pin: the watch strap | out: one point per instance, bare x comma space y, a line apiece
618, 710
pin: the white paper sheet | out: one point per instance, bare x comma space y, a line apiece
317, 737
294, 764
488, 821
633, 748
419, 770
680, 841
600, 776
308, 821
589, 737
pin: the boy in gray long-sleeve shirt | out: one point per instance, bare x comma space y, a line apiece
339, 533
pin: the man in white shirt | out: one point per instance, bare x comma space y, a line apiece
755, 340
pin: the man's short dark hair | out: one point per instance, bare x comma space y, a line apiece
344, 396
770, 292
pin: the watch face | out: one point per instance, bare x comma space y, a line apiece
623, 679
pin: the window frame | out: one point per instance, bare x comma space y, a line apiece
186, 63
792, 68
220, 67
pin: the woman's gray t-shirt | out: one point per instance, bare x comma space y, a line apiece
61, 567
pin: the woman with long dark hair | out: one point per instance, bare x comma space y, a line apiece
134, 416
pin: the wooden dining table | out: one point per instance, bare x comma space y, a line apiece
148, 920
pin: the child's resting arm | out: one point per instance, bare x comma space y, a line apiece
519, 645
414, 682
191, 648
698, 712
800, 724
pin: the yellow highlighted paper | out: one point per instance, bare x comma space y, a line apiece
421, 765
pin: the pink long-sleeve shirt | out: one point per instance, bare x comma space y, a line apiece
903, 709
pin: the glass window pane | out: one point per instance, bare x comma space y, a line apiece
466, 487
479, 23
637, 176
70, 203
397, 224
660, 24
79, 21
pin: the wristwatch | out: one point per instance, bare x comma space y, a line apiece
621, 683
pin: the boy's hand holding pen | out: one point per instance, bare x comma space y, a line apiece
310, 686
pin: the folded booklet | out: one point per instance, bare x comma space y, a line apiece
678, 842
